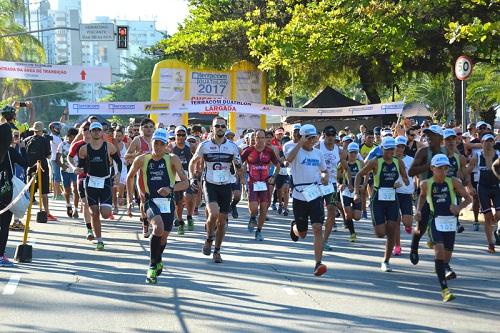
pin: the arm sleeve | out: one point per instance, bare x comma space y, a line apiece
244, 154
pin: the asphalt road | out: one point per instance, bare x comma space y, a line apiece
261, 286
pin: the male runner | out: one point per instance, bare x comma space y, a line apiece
440, 193
258, 159
308, 168
98, 184
218, 154
384, 206
141, 144
159, 171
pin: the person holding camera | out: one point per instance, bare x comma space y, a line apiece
38, 149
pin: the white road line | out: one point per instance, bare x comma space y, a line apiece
289, 291
11, 286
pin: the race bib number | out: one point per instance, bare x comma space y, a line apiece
284, 171
386, 194
163, 204
96, 182
476, 177
221, 176
259, 186
446, 223
311, 192
327, 189
347, 193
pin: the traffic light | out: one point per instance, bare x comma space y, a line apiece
122, 40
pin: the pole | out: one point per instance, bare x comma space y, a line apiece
39, 176
40, 30
28, 214
464, 113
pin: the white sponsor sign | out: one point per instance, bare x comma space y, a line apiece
210, 84
97, 31
172, 84
46, 72
248, 86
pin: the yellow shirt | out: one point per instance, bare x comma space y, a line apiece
365, 150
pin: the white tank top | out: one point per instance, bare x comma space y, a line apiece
332, 159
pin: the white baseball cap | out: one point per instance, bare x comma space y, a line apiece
466, 135
436, 129
401, 140
449, 132
308, 130
440, 160
347, 138
482, 123
388, 143
353, 146
95, 125
386, 132
487, 137
180, 128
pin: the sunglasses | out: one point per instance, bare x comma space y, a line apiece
329, 134
269, 136
412, 135
180, 135
482, 127
220, 126
459, 133
85, 129
148, 126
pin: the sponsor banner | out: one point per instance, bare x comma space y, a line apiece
172, 84
350, 111
245, 121
210, 84
170, 118
249, 86
46, 72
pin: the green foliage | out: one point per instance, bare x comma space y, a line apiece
483, 88
50, 98
135, 84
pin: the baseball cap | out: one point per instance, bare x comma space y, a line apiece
388, 143
347, 138
279, 131
95, 125
482, 123
160, 134
466, 135
376, 130
37, 126
171, 135
449, 132
308, 130
296, 127
353, 146
329, 130
386, 132
487, 137
180, 128
401, 140
436, 129
440, 160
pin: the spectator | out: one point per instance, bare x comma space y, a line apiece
38, 149
55, 141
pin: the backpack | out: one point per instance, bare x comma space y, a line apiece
35, 149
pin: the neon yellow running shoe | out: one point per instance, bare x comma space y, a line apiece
159, 268
353, 238
447, 295
430, 244
100, 246
152, 275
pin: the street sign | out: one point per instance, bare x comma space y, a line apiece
97, 31
46, 72
463, 68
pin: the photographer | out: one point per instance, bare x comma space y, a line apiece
38, 149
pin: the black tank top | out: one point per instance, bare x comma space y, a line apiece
441, 199
486, 176
411, 151
388, 175
453, 168
157, 177
354, 169
98, 161
184, 155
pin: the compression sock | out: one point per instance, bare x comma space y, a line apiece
414, 241
89, 226
234, 202
439, 265
160, 253
155, 249
350, 226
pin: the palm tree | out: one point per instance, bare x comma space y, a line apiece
483, 89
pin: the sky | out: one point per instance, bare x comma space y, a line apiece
168, 13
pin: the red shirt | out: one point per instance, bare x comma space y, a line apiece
276, 143
73, 151
258, 162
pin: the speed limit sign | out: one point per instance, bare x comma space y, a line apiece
463, 68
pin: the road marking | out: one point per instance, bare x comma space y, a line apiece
289, 291
11, 286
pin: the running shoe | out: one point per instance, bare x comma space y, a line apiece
293, 236
460, 228
447, 295
217, 258
145, 231
69, 211
5, 262
202, 205
396, 251
207, 248
190, 223
327, 247
491, 248
285, 212
365, 214
475, 226
152, 275
180, 229
334, 229
90, 235
320, 269
386, 267
273, 206
430, 245
177, 222
258, 236
115, 210
159, 268
234, 211
100, 246
75, 214
414, 257
497, 237
449, 274
408, 230
280, 210
252, 223
352, 239
50, 217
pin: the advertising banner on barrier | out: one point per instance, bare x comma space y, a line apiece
46, 72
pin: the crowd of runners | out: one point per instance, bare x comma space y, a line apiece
420, 176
